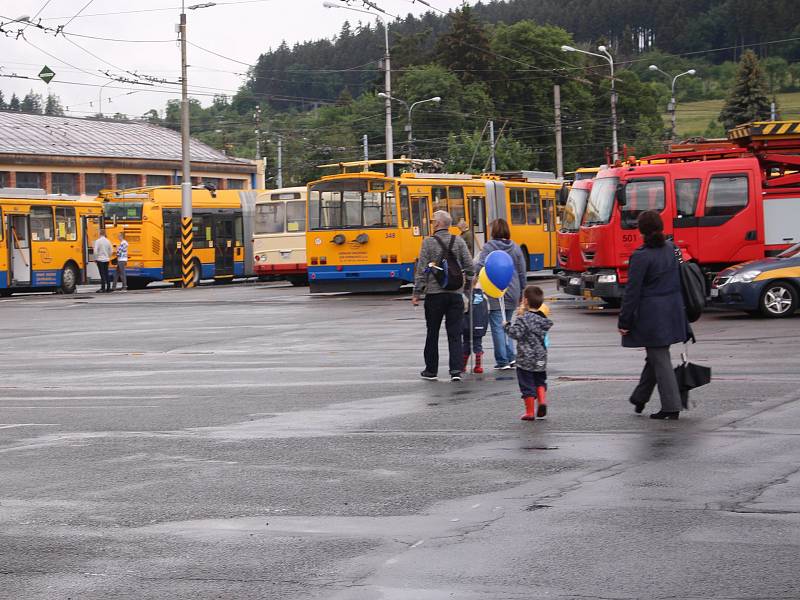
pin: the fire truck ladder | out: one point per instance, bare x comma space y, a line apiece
776, 144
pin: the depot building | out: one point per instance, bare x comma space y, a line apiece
79, 157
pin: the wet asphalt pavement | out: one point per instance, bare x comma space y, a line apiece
250, 441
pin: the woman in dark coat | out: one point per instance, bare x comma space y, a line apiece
653, 315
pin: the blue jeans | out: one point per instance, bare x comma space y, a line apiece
504, 352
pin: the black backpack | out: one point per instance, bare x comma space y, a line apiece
448, 273
693, 286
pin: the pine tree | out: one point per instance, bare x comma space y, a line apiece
465, 48
32, 103
748, 100
53, 106
2, 100
13, 104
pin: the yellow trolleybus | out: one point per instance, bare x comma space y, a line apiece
151, 218
365, 230
279, 235
45, 241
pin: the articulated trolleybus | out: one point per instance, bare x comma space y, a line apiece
365, 229
151, 220
45, 240
279, 235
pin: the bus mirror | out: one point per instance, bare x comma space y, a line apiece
621, 200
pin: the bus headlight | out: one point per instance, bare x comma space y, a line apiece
339, 239
362, 238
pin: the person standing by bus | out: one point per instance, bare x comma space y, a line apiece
442, 302
122, 262
504, 354
102, 256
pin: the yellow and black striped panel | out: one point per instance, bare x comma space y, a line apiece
187, 265
766, 130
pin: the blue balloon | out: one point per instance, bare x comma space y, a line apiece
499, 268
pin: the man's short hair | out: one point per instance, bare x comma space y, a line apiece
443, 217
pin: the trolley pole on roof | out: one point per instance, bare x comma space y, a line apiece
187, 266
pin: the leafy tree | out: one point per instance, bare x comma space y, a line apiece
776, 69
469, 153
53, 106
151, 116
31, 103
748, 99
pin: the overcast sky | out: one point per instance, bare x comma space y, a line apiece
238, 29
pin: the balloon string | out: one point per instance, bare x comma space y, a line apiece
503, 308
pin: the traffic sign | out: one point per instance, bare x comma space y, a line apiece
46, 74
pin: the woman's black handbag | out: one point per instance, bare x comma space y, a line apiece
690, 375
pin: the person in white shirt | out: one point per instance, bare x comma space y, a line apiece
102, 256
122, 262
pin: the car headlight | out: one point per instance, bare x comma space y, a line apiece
744, 276
607, 279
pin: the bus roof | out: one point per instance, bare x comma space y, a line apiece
170, 196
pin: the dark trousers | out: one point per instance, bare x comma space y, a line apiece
102, 265
450, 307
471, 343
530, 380
658, 371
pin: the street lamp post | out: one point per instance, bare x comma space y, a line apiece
410, 109
605, 55
387, 67
671, 107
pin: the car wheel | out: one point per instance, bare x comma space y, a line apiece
778, 300
69, 279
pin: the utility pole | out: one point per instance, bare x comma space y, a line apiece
387, 66
559, 149
365, 141
493, 163
257, 117
279, 177
187, 265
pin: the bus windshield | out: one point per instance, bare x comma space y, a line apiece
269, 218
573, 209
123, 211
351, 204
601, 201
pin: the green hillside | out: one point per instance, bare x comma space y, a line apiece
694, 117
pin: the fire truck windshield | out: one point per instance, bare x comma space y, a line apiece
573, 209
601, 201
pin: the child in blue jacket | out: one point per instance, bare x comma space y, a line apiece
473, 341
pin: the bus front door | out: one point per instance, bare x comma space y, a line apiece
477, 216
172, 244
19, 243
419, 216
90, 225
223, 244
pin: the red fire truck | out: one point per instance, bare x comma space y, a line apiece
721, 205
570, 263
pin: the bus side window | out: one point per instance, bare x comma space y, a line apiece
532, 207
687, 193
438, 199
455, 197
405, 210
726, 196
66, 224
517, 200
42, 228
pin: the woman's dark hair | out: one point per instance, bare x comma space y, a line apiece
500, 230
534, 295
652, 229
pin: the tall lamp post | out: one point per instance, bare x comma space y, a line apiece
410, 109
387, 67
671, 107
605, 55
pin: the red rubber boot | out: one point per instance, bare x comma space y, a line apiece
529, 414
478, 363
541, 397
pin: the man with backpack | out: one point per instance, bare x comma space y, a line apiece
444, 266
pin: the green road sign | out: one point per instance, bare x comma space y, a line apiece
46, 74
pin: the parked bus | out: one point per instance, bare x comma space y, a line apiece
45, 240
365, 230
279, 235
151, 220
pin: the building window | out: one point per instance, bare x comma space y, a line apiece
65, 183
30, 180
94, 182
216, 182
158, 180
126, 181
235, 184
66, 224
41, 224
